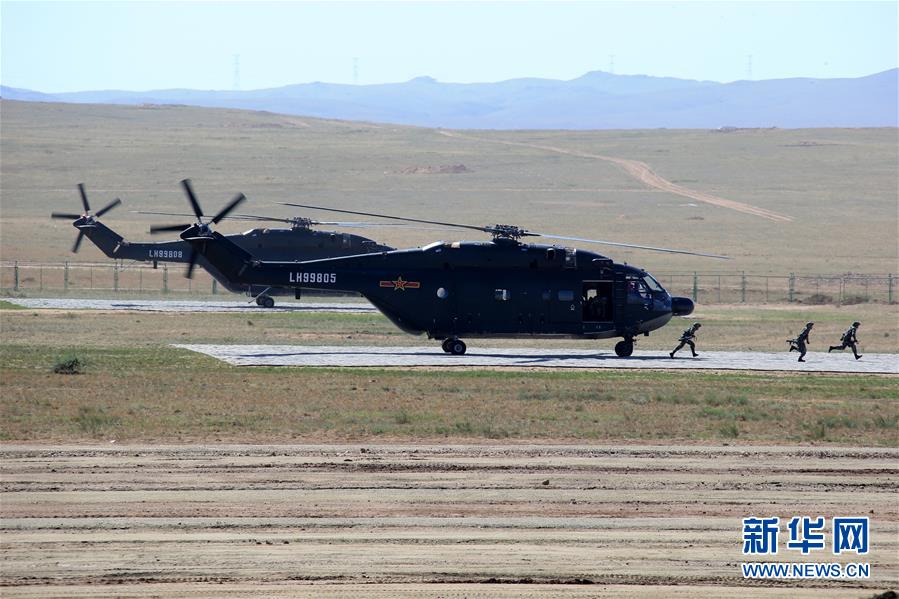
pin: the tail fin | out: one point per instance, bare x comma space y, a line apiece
224, 255
103, 237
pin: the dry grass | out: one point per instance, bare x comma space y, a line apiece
168, 395
135, 387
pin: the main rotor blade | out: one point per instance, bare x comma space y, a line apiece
635, 246
275, 219
191, 264
87, 207
65, 215
411, 220
160, 213
167, 228
227, 209
185, 183
108, 207
314, 223
78, 242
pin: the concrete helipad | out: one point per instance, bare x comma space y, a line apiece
350, 356
189, 306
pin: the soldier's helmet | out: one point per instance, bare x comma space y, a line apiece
696, 325
809, 324
856, 324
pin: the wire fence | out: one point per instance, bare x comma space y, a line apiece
702, 287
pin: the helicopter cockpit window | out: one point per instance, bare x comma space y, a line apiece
501, 295
637, 289
652, 283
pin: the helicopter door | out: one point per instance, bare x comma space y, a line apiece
597, 301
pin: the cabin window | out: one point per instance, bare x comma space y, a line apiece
501, 295
570, 258
551, 254
566, 295
442, 293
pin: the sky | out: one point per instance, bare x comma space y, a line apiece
75, 46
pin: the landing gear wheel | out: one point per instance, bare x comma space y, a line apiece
268, 302
446, 345
457, 347
624, 349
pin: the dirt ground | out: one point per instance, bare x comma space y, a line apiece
426, 521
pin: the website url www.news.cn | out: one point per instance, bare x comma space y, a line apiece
805, 570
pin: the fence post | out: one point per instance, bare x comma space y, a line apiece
214, 286
743, 287
792, 286
695, 286
165, 278
140, 279
890, 288
15, 270
115, 278
65, 276
842, 283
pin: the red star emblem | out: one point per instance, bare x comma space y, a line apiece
400, 284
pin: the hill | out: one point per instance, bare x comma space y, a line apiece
597, 100
807, 200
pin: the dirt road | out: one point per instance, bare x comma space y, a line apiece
642, 173
425, 521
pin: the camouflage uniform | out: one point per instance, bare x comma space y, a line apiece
800, 342
849, 339
687, 339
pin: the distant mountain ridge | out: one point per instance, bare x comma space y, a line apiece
596, 100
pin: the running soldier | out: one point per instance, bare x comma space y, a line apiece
849, 339
800, 342
687, 339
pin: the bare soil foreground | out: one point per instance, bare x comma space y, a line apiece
427, 521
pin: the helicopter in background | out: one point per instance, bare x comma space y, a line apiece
497, 288
299, 242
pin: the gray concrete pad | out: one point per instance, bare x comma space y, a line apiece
140, 305
343, 356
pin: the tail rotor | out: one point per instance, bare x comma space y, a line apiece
85, 219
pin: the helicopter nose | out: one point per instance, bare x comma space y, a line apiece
681, 306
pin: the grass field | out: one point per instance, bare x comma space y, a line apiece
134, 387
838, 186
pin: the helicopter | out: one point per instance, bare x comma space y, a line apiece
477, 289
300, 241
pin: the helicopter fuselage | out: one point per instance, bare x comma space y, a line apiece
267, 243
500, 288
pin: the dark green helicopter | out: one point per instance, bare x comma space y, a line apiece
498, 288
300, 241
